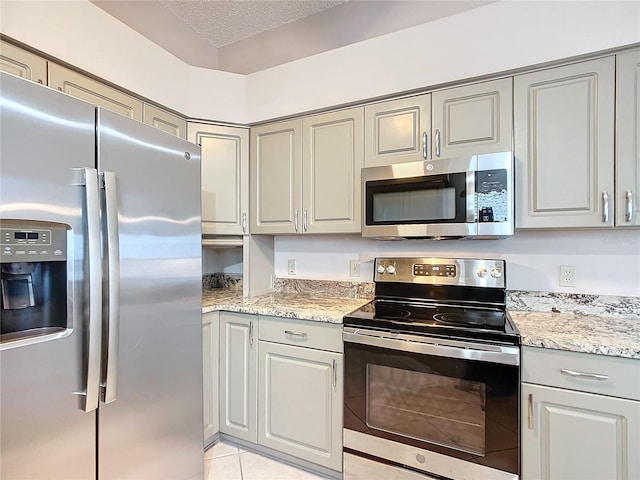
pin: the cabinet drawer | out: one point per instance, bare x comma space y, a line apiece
303, 333
616, 376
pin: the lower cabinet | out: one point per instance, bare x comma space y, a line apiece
281, 385
210, 369
300, 403
570, 430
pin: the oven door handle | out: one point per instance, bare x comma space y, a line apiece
440, 347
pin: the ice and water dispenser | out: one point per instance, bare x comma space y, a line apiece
33, 277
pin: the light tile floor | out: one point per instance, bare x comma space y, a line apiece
224, 461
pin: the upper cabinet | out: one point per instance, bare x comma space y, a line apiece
397, 131
92, 91
165, 121
564, 145
472, 119
305, 174
225, 177
628, 139
22, 63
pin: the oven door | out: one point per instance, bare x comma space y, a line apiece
420, 199
444, 407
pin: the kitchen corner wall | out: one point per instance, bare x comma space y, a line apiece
607, 262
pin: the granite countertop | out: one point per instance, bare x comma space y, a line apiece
573, 330
318, 308
619, 337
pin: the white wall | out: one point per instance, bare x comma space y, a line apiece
497, 37
607, 262
79, 33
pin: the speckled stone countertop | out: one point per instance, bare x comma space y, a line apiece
318, 308
588, 323
619, 337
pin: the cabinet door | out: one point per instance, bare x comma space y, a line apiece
94, 92
572, 435
22, 63
210, 368
472, 119
225, 177
276, 178
165, 121
331, 162
564, 145
238, 375
397, 131
301, 403
628, 139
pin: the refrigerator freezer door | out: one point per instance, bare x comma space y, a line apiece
153, 429
47, 138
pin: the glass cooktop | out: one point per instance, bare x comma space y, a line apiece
434, 319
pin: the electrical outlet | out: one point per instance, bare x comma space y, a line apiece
291, 266
567, 276
354, 268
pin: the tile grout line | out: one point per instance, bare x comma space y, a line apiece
240, 462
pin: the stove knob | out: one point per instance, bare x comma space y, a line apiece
391, 269
380, 269
496, 273
482, 272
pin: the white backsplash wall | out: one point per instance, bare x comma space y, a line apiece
607, 262
222, 260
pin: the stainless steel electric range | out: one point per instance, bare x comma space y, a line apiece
432, 373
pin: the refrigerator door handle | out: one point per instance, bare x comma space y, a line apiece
108, 391
94, 343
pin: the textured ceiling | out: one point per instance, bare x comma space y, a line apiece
246, 36
222, 22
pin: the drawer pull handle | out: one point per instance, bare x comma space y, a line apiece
295, 334
530, 412
573, 373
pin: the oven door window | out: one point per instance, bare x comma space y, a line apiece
426, 407
418, 200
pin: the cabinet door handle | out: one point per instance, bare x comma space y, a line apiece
334, 366
605, 206
629, 198
251, 333
295, 220
305, 223
295, 334
424, 145
530, 412
573, 373
244, 222
437, 143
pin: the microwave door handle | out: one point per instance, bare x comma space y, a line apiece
471, 197
88, 177
113, 286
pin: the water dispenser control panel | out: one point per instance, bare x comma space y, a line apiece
28, 243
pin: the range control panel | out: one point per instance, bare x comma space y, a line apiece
441, 271
32, 242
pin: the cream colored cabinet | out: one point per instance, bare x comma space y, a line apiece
627, 198
165, 121
472, 119
92, 91
238, 375
305, 174
300, 389
22, 63
225, 177
580, 416
564, 146
397, 131
210, 375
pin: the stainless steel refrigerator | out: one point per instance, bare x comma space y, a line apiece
101, 350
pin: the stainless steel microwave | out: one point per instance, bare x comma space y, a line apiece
467, 197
